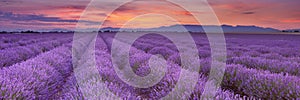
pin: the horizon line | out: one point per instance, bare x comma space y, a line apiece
66, 30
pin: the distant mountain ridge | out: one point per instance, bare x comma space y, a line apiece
197, 28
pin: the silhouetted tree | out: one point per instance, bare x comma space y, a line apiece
29, 31
3, 32
107, 31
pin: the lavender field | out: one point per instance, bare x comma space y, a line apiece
40, 66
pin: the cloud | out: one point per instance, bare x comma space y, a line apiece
32, 17
126, 8
72, 7
248, 13
291, 21
9, 2
37, 22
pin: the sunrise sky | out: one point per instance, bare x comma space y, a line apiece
63, 14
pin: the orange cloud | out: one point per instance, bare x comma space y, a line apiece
291, 21
137, 8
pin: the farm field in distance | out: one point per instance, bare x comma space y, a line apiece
258, 66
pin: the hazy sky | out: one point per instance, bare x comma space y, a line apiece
64, 14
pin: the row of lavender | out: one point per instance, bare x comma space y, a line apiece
241, 80
266, 75
41, 74
12, 55
13, 40
49, 75
283, 59
111, 83
41, 77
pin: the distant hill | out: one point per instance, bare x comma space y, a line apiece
198, 28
